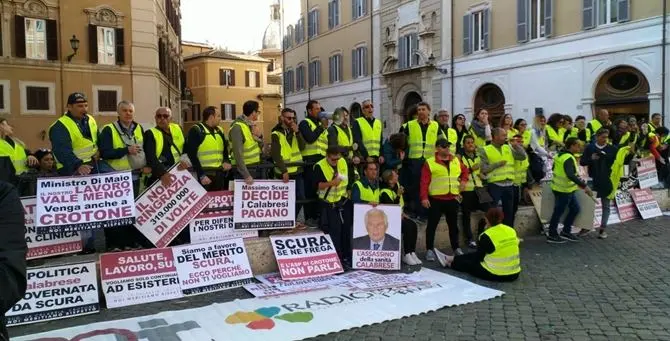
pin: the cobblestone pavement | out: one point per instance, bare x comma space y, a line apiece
614, 289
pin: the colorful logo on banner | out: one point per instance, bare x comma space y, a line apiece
262, 318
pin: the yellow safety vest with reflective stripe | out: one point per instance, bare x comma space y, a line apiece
521, 171
560, 181
504, 173
319, 146
592, 128
334, 194
210, 151
367, 194
473, 177
526, 136
344, 137
177, 141
479, 141
371, 136
574, 132
16, 154
393, 195
452, 137
418, 147
290, 153
251, 151
444, 180
617, 171
555, 137
83, 148
117, 143
504, 260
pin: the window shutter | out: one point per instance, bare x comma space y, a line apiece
247, 78
331, 14
414, 57
521, 21
223, 111
222, 77
467, 34
589, 14
120, 53
336, 10
52, 39
258, 79
20, 36
232, 78
365, 61
316, 22
330, 69
93, 44
623, 10
310, 23
548, 18
353, 9
354, 64
486, 26
1, 53
365, 6
340, 67
233, 111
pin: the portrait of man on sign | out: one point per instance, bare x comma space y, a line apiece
376, 224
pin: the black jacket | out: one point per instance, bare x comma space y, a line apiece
13, 251
599, 170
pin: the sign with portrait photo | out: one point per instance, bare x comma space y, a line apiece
376, 243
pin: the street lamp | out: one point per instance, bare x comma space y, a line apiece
74, 43
431, 62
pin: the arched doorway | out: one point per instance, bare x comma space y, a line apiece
411, 99
490, 97
623, 91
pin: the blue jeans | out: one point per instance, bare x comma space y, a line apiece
563, 201
503, 196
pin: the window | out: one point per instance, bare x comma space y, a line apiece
607, 11
195, 112
106, 46
106, 97
227, 77
359, 8
36, 38
300, 77
335, 68
333, 13
253, 79
300, 31
228, 111
289, 81
4, 86
407, 47
314, 73
603, 12
288, 39
536, 18
107, 101
37, 98
313, 23
359, 59
476, 30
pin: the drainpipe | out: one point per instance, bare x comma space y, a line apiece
451, 58
663, 62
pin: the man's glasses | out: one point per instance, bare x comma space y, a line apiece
163, 116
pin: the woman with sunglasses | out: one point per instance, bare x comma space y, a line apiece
458, 124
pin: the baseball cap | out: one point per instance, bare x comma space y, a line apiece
442, 143
76, 97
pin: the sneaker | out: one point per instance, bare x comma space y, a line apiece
569, 237
602, 234
441, 257
472, 244
408, 259
458, 252
430, 256
555, 239
416, 259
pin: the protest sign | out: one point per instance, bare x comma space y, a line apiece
57, 292
624, 203
267, 204
646, 203
137, 277
598, 214
212, 266
215, 222
163, 212
647, 175
305, 256
47, 244
84, 202
376, 243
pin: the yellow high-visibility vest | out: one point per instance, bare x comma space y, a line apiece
290, 153
16, 154
83, 148
560, 181
117, 143
393, 195
210, 151
444, 180
505, 259
177, 141
333, 194
319, 146
418, 147
251, 151
371, 135
367, 194
473, 177
504, 173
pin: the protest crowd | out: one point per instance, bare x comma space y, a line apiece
435, 166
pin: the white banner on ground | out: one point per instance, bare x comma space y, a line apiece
164, 212
47, 244
84, 202
265, 205
212, 266
272, 284
137, 277
291, 317
376, 243
305, 256
57, 292
646, 203
215, 222
647, 175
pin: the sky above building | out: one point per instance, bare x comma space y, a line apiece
237, 25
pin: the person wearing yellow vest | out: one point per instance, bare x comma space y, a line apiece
442, 119
656, 122
480, 128
422, 135
497, 258
207, 149
163, 145
391, 194
538, 153
443, 178
564, 184
313, 130
14, 149
520, 174
341, 135
602, 120
367, 133
246, 143
458, 126
366, 190
332, 178
599, 157
287, 143
121, 142
555, 131
471, 201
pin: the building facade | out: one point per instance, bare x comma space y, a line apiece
109, 50
410, 45
524, 57
331, 54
